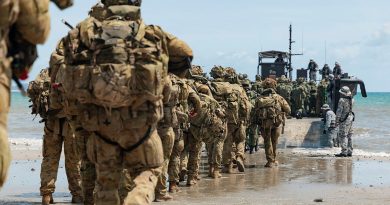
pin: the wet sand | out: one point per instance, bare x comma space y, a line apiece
299, 179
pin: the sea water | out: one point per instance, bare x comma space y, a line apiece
371, 127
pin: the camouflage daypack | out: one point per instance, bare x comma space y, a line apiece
268, 109
116, 62
224, 93
38, 92
208, 110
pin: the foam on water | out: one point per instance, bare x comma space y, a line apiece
333, 151
25, 144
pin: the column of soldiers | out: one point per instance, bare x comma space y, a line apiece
132, 112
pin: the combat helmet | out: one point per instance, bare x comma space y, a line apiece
282, 79
122, 2
258, 78
196, 70
217, 72
300, 80
345, 91
269, 83
230, 72
325, 107
63, 4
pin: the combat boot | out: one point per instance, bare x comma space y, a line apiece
173, 187
47, 199
182, 175
269, 165
240, 164
165, 197
216, 174
191, 180
211, 170
228, 169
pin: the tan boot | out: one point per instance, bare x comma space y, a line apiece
240, 164
173, 187
216, 174
211, 170
46, 199
191, 180
269, 165
227, 169
165, 197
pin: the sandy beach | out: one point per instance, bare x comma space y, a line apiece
301, 178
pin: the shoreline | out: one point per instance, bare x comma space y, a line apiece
301, 178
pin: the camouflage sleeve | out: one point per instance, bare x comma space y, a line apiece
194, 100
340, 110
33, 22
284, 105
56, 59
180, 53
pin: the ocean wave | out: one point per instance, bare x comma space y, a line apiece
332, 151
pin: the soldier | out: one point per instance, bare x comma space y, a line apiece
284, 88
312, 68
330, 90
57, 133
252, 131
325, 71
344, 120
299, 95
257, 85
71, 110
279, 59
312, 98
321, 95
237, 107
117, 77
330, 126
208, 126
337, 71
270, 112
29, 24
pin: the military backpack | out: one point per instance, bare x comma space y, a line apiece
38, 91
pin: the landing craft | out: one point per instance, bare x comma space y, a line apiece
306, 132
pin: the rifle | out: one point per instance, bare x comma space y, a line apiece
67, 24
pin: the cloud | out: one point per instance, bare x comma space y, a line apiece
381, 37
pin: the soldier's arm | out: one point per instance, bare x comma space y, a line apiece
56, 59
285, 106
340, 110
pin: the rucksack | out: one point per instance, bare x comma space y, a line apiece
208, 108
116, 62
38, 92
268, 109
223, 92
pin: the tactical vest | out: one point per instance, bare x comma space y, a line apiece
38, 92
116, 67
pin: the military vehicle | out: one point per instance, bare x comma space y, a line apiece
306, 132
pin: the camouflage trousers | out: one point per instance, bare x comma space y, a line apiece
253, 135
331, 136
58, 133
271, 136
5, 156
167, 136
87, 170
174, 161
184, 154
143, 165
345, 134
235, 138
213, 136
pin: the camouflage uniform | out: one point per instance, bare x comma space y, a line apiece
271, 129
208, 126
345, 118
321, 95
299, 95
130, 141
58, 133
330, 128
87, 168
312, 100
30, 20
284, 88
182, 125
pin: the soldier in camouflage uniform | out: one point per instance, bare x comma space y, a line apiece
57, 133
237, 108
252, 131
270, 111
284, 88
208, 126
321, 95
312, 99
344, 119
299, 95
257, 85
130, 141
87, 169
30, 25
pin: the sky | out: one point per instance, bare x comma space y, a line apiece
355, 33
